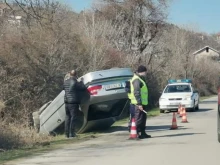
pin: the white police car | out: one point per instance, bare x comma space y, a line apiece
179, 92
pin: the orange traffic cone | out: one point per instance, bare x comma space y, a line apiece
133, 132
174, 124
184, 119
181, 111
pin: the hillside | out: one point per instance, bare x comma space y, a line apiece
51, 40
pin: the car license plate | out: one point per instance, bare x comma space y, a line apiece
175, 103
113, 86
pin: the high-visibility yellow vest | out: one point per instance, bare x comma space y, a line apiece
144, 92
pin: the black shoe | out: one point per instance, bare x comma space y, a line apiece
129, 128
72, 135
67, 136
144, 136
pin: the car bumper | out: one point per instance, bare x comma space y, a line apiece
170, 105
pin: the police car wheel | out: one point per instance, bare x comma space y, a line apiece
161, 111
219, 137
194, 108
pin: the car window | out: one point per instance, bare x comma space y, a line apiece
177, 88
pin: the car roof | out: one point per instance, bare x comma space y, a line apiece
179, 84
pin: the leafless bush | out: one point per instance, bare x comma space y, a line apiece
20, 136
207, 77
34, 60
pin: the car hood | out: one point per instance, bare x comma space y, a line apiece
176, 95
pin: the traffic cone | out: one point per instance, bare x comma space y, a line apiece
181, 111
133, 131
174, 124
184, 119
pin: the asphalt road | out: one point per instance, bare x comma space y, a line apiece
193, 143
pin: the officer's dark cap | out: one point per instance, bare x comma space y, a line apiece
141, 68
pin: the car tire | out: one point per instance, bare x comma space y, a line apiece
194, 108
161, 111
197, 107
218, 137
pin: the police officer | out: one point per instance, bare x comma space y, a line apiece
72, 100
139, 100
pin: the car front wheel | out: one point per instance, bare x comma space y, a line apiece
161, 111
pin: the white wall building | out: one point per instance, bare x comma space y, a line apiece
207, 53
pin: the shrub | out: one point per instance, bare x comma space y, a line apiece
15, 136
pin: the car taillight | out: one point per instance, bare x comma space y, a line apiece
94, 89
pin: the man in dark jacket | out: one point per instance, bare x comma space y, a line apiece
139, 100
72, 100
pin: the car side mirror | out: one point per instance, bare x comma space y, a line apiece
195, 91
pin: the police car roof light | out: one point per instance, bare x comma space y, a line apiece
179, 81
171, 81
187, 80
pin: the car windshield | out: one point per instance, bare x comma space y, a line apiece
177, 88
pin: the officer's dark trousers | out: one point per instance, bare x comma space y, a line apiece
140, 117
71, 115
132, 115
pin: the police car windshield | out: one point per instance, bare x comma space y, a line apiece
177, 88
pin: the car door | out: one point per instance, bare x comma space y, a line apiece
218, 115
195, 95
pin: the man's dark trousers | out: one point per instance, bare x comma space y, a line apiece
140, 118
132, 115
71, 116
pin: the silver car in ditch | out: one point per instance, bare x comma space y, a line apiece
104, 102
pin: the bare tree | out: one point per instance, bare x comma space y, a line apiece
37, 10
137, 23
37, 58
181, 44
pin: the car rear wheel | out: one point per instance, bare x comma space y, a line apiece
161, 111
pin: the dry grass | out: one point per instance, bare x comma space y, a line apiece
15, 136
2, 105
